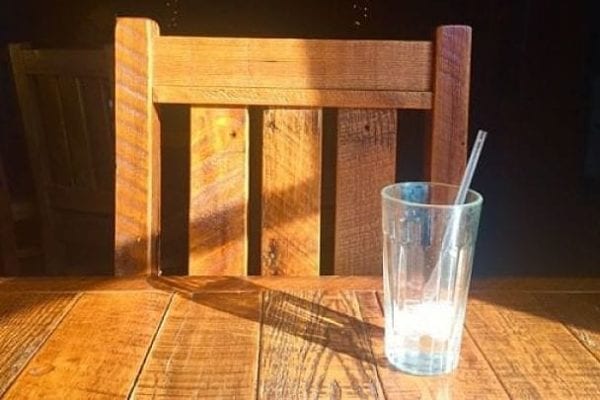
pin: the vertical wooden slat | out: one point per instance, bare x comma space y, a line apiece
291, 179
218, 191
450, 116
26, 321
207, 347
101, 139
38, 157
137, 138
77, 134
366, 162
55, 131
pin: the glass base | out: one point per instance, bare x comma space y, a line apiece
419, 363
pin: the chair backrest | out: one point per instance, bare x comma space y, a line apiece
292, 80
65, 99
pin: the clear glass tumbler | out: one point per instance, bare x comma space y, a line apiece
427, 258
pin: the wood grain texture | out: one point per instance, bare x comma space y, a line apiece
293, 97
109, 334
580, 312
54, 136
366, 162
474, 378
9, 263
293, 63
90, 63
137, 131
189, 284
450, 116
99, 119
26, 90
218, 191
314, 345
532, 353
81, 199
207, 348
26, 320
76, 132
291, 192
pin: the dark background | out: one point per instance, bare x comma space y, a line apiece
535, 88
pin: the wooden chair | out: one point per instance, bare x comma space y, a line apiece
292, 80
65, 100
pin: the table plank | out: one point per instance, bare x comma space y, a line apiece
580, 313
534, 355
97, 350
313, 344
26, 320
474, 378
207, 348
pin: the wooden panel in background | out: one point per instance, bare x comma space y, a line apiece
207, 348
97, 350
473, 377
531, 351
137, 133
9, 264
450, 116
55, 133
218, 191
291, 187
31, 116
76, 130
99, 116
26, 320
314, 345
366, 162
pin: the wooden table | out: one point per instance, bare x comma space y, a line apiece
284, 338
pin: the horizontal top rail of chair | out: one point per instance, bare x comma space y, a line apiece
80, 63
309, 66
291, 97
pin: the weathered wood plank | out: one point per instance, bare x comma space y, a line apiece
474, 378
26, 320
314, 345
366, 162
580, 312
532, 353
450, 116
137, 131
207, 348
292, 97
97, 350
293, 63
291, 198
218, 191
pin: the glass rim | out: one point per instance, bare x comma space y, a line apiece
476, 202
